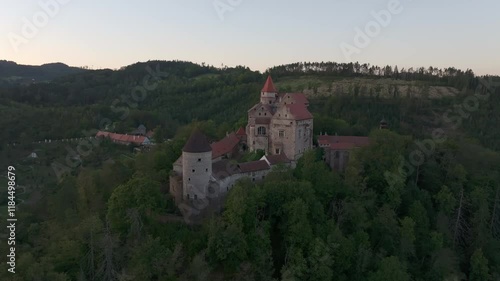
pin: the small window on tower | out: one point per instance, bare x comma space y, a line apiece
206, 170
194, 170
199, 159
281, 133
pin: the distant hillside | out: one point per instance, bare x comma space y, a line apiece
12, 73
348, 99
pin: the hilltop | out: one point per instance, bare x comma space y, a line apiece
12, 73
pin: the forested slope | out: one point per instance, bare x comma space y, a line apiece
108, 218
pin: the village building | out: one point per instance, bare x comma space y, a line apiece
339, 148
124, 139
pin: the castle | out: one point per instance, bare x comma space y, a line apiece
280, 125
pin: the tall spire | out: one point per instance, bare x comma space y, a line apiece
269, 86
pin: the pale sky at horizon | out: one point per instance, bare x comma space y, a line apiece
255, 33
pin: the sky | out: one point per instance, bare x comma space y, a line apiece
254, 33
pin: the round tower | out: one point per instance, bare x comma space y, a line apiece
196, 166
268, 93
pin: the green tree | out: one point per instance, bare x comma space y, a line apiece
478, 267
390, 269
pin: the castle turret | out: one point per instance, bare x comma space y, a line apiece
196, 166
269, 93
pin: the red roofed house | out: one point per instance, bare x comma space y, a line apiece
226, 148
338, 149
280, 123
124, 139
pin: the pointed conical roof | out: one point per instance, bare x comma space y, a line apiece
269, 86
197, 143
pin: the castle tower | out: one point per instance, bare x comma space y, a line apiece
196, 166
268, 93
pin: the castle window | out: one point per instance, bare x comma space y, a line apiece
261, 131
189, 179
188, 196
278, 151
194, 170
260, 114
286, 115
199, 159
195, 197
206, 170
269, 102
281, 133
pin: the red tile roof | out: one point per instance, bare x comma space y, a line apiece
225, 145
269, 86
277, 159
241, 132
137, 140
299, 111
295, 98
254, 166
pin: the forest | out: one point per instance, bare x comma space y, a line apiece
109, 218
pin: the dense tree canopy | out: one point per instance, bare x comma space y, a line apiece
387, 217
